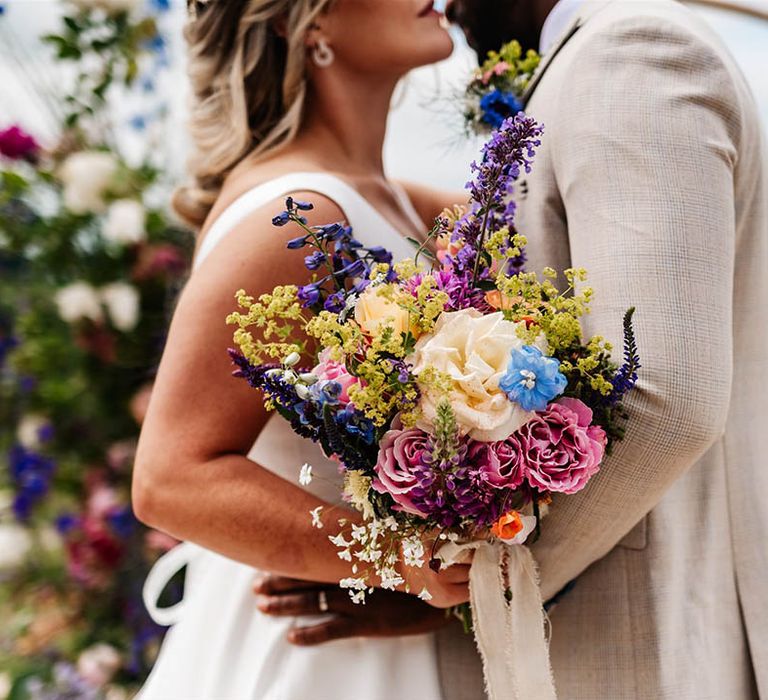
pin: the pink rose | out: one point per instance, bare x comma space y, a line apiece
562, 450
399, 452
335, 372
502, 463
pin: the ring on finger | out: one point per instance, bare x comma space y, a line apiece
322, 601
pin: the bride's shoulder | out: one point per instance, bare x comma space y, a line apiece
430, 202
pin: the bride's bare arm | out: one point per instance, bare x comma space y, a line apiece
192, 478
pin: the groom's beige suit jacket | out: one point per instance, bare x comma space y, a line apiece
652, 176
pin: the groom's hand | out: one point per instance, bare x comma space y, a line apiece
385, 614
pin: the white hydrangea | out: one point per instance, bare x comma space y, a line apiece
78, 301
86, 177
125, 222
122, 301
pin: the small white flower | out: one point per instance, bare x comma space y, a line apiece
357, 584
345, 554
78, 301
308, 378
122, 301
390, 579
315, 513
357, 598
125, 222
290, 377
413, 552
28, 430
86, 176
305, 475
425, 595
302, 392
339, 540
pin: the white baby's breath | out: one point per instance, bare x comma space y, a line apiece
316, 521
305, 474
425, 595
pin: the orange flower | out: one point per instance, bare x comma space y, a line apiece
508, 526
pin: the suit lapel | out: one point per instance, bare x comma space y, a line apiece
547, 60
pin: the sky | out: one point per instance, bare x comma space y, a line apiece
425, 141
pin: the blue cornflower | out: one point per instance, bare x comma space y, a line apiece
532, 379
312, 262
498, 106
161, 5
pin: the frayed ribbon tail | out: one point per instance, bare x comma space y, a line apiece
508, 617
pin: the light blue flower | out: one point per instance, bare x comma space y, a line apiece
532, 379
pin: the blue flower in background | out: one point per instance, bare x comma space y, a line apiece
355, 423
497, 106
532, 379
31, 474
160, 5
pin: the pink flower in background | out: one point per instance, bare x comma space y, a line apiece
401, 453
160, 260
498, 69
562, 450
502, 463
335, 372
17, 144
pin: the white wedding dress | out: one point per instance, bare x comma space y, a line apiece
219, 646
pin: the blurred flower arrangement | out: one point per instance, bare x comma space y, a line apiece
89, 264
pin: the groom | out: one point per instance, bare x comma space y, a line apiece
652, 176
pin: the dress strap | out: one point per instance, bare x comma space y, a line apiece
358, 212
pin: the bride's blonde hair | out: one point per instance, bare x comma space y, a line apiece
247, 61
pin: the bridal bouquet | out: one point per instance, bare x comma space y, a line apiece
455, 390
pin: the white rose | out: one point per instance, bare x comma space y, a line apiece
77, 301
122, 302
98, 664
28, 430
86, 177
125, 222
474, 350
15, 543
111, 7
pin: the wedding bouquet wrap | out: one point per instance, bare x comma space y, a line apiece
457, 394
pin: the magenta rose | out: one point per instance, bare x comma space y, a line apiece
15, 143
562, 450
502, 463
336, 372
399, 452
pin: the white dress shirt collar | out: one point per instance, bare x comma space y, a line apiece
557, 22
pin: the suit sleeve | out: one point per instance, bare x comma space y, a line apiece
645, 155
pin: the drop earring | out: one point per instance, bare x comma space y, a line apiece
322, 54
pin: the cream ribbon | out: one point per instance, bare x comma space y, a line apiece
510, 635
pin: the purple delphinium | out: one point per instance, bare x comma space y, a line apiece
626, 377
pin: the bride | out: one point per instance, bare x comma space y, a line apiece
291, 98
